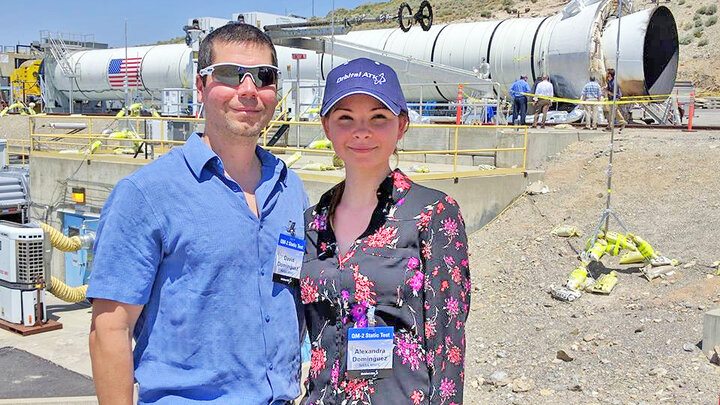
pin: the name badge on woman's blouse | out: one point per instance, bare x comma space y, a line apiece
370, 352
288, 259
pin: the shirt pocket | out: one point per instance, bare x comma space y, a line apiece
392, 271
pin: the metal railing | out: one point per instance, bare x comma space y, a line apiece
142, 139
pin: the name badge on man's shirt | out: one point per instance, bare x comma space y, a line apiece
370, 352
288, 259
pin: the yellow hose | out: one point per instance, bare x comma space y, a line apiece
60, 241
67, 293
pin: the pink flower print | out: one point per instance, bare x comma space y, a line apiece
430, 329
357, 312
385, 236
450, 200
317, 361
345, 295
319, 222
444, 285
400, 181
435, 271
416, 397
454, 355
335, 373
456, 275
424, 221
363, 287
308, 291
426, 250
447, 389
347, 257
440, 207
464, 262
357, 389
452, 307
449, 261
458, 245
449, 227
400, 202
408, 349
416, 282
413, 263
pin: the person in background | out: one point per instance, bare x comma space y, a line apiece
544, 89
385, 258
483, 69
591, 92
185, 252
609, 91
519, 100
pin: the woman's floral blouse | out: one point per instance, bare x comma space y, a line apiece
412, 265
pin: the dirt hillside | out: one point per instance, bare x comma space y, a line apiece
639, 345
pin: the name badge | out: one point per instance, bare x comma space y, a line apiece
288, 259
370, 352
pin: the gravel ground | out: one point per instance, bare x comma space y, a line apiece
640, 344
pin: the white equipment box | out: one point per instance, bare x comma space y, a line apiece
22, 274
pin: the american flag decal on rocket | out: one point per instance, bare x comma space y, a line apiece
119, 67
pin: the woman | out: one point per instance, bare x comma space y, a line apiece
385, 279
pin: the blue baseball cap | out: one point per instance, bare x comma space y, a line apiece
364, 76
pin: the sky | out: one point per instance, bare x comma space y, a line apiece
148, 21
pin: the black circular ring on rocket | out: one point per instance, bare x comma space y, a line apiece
425, 15
405, 17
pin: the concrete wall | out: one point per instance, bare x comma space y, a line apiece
51, 180
480, 198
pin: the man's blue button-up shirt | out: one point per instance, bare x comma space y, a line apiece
177, 236
520, 86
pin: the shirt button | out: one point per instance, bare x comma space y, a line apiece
262, 273
271, 367
267, 318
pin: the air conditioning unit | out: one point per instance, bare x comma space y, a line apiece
22, 274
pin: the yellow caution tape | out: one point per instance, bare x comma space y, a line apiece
622, 101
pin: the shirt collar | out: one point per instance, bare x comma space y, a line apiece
197, 154
391, 191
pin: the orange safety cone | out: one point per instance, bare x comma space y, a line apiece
691, 112
458, 116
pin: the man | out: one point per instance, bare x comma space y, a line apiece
185, 252
543, 89
591, 92
519, 100
483, 69
610, 91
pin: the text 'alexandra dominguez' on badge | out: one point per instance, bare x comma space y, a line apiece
370, 352
288, 259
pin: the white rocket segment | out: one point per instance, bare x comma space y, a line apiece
569, 47
100, 74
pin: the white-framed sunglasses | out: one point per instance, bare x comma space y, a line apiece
232, 74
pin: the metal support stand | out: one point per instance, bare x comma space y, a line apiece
608, 212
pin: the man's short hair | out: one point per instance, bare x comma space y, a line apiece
611, 72
592, 78
233, 33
